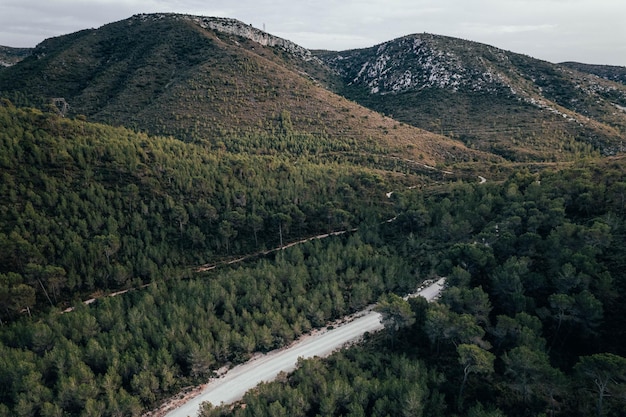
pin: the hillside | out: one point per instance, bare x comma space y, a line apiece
179, 194
107, 208
535, 264
203, 79
608, 72
88, 209
11, 56
490, 99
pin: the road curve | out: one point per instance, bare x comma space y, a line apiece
237, 381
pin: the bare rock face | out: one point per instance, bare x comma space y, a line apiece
238, 28
235, 27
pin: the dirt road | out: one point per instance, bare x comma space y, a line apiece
237, 381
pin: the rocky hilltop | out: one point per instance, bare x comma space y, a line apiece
495, 100
417, 62
237, 28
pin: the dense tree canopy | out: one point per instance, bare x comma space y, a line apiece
88, 207
533, 313
532, 320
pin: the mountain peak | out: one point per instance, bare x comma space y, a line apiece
235, 27
421, 61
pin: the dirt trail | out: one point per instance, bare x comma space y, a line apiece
208, 267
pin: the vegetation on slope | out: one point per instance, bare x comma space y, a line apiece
493, 100
535, 311
10, 56
537, 262
531, 324
609, 72
88, 207
121, 355
166, 75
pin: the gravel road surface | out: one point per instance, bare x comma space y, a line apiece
238, 380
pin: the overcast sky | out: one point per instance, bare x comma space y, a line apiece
589, 31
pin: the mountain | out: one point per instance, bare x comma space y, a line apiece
11, 56
247, 196
204, 79
608, 72
490, 99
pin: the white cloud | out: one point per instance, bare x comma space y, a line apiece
515, 29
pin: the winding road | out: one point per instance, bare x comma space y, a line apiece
236, 382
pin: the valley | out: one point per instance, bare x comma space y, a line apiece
219, 195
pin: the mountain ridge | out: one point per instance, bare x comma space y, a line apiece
608, 72
10, 56
169, 75
202, 78
417, 73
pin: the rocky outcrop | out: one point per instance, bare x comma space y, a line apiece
235, 27
415, 62
238, 28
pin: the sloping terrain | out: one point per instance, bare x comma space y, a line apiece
134, 266
608, 72
11, 56
494, 100
204, 79
87, 210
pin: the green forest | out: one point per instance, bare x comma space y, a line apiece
532, 321
89, 207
